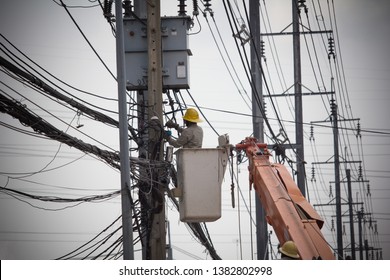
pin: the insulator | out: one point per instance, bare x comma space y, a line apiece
313, 175
370, 223
207, 5
332, 229
128, 7
262, 49
333, 107
311, 133
344, 231
331, 52
368, 190
330, 191
360, 175
107, 9
301, 4
375, 228
182, 8
358, 130
195, 8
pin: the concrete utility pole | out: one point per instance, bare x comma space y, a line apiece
340, 249
257, 119
127, 221
298, 94
298, 99
158, 231
350, 210
360, 227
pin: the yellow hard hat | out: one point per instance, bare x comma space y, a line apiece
289, 249
192, 115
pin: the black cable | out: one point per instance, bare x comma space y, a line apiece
224, 61
86, 39
265, 81
212, 127
90, 241
50, 74
19, 111
61, 199
249, 77
77, 6
52, 92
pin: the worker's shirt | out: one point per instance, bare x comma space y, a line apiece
191, 137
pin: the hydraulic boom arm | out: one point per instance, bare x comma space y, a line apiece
287, 211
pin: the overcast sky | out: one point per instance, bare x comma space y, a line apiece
45, 33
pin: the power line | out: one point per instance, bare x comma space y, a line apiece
52, 92
51, 75
86, 39
17, 110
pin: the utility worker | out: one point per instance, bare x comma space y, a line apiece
191, 136
289, 251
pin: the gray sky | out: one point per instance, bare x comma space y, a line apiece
46, 34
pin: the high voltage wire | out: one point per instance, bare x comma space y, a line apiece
321, 76
230, 112
276, 57
91, 198
86, 39
343, 128
229, 59
51, 75
235, 30
54, 93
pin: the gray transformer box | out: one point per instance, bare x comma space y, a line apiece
175, 53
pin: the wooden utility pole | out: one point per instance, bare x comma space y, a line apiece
158, 231
127, 221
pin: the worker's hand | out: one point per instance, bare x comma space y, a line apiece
171, 124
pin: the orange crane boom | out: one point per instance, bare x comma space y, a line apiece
287, 211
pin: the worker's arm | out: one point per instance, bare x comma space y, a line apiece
183, 139
171, 124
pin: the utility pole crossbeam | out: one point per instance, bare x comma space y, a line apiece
303, 94
292, 33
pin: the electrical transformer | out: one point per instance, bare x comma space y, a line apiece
175, 53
